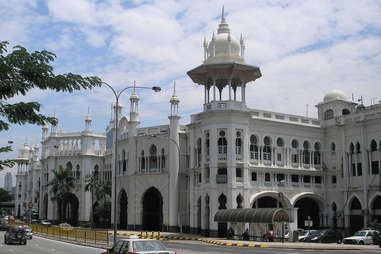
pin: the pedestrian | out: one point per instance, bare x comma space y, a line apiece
245, 235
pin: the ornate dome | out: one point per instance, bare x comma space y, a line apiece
223, 47
335, 95
24, 152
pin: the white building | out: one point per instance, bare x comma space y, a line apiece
325, 171
8, 182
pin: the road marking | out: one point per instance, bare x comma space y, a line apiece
52, 240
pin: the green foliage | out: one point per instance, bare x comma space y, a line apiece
5, 196
376, 237
21, 71
62, 183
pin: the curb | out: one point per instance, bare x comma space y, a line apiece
144, 236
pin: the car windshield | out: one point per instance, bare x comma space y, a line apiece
317, 232
147, 246
360, 233
17, 229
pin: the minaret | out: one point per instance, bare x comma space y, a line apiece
45, 130
174, 153
54, 127
205, 45
134, 112
242, 43
88, 120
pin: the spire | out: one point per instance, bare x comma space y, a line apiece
174, 101
62, 128
88, 120
223, 27
54, 127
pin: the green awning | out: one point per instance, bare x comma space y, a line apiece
252, 215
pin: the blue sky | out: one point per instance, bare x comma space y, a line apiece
304, 50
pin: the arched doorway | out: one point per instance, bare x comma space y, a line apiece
356, 220
376, 209
206, 216
152, 210
70, 209
123, 202
308, 210
45, 211
267, 202
222, 226
198, 231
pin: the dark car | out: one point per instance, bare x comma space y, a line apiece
15, 234
325, 236
4, 226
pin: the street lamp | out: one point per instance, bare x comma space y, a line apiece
179, 155
117, 96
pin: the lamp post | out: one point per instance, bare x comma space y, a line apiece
117, 96
178, 151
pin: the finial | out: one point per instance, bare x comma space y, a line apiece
223, 15
26, 141
88, 110
205, 43
134, 86
174, 88
62, 128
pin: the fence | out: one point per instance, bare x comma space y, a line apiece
74, 234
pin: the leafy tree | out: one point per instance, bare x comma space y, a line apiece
62, 183
21, 71
5, 196
91, 181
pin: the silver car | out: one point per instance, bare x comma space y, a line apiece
136, 245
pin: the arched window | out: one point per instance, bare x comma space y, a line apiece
317, 154
358, 147
96, 171
222, 201
222, 143
328, 114
351, 148
207, 144
238, 143
239, 200
373, 146
253, 147
78, 172
267, 148
153, 157
295, 153
279, 142
124, 160
199, 152
69, 166
306, 152
333, 147
162, 158
142, 161
346, 111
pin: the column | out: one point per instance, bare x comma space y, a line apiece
243, 93
214, 90
205, 95
230, 89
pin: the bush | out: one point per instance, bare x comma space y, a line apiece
376, 237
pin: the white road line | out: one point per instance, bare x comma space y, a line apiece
89, 247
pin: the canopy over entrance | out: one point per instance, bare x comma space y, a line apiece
252, 215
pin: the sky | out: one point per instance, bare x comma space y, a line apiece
304, 50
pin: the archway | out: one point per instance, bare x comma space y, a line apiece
152, 210
45, 211
123, 205
199, 215
308, 210
376, 209
206, 216
70, 209
222, 226
356, 220
267, 202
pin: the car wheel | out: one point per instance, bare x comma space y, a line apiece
24, 243
5, 241
361, 243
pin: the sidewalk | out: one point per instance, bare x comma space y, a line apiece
241, 243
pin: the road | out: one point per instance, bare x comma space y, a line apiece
46, 246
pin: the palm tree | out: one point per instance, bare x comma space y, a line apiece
92, 184
104, 210
62, 182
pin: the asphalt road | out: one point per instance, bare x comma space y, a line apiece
46, 246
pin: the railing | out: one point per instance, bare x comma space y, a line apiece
100, 237
221, 179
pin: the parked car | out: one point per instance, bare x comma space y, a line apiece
28, 232
136, 245
65, 226
4, 226
364, 236
304, 234
15, 234
325, 236
45, 223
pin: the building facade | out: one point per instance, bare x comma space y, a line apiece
325, 172
8, 182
